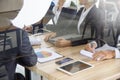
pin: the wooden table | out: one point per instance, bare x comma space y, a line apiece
102, 70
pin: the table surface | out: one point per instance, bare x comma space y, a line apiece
102, 70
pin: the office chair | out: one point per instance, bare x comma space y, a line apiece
5, 41
111, 14
4, 38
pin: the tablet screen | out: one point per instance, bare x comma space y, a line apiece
74, 67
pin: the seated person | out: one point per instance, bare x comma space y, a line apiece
62, 42
102, 53
22, 53
89, 19
51, 13
108, 52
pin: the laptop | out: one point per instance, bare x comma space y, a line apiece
67, 37
65, 28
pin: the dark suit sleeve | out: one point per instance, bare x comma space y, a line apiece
76, 42
26, 54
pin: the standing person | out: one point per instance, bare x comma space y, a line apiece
56, 6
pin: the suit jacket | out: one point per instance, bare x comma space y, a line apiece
96, 18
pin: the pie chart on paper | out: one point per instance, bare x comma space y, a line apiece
44, 54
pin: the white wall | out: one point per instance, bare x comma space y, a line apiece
9, 5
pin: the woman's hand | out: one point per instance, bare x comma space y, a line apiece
28, 28
89, 48
62, 42
103, 54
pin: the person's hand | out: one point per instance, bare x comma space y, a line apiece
49, 35
62, 42
28, 28
103, 55
89, 48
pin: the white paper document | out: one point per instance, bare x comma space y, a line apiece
46, 54
86, 53
35, 40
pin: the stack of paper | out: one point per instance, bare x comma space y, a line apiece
35, 40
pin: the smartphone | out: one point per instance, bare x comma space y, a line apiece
63, 61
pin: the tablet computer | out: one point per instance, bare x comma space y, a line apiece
74, 67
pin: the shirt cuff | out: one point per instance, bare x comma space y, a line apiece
117, 53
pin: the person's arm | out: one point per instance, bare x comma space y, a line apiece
72, 42
78, 42
103, 54
107, 54
63, 42
27, 56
